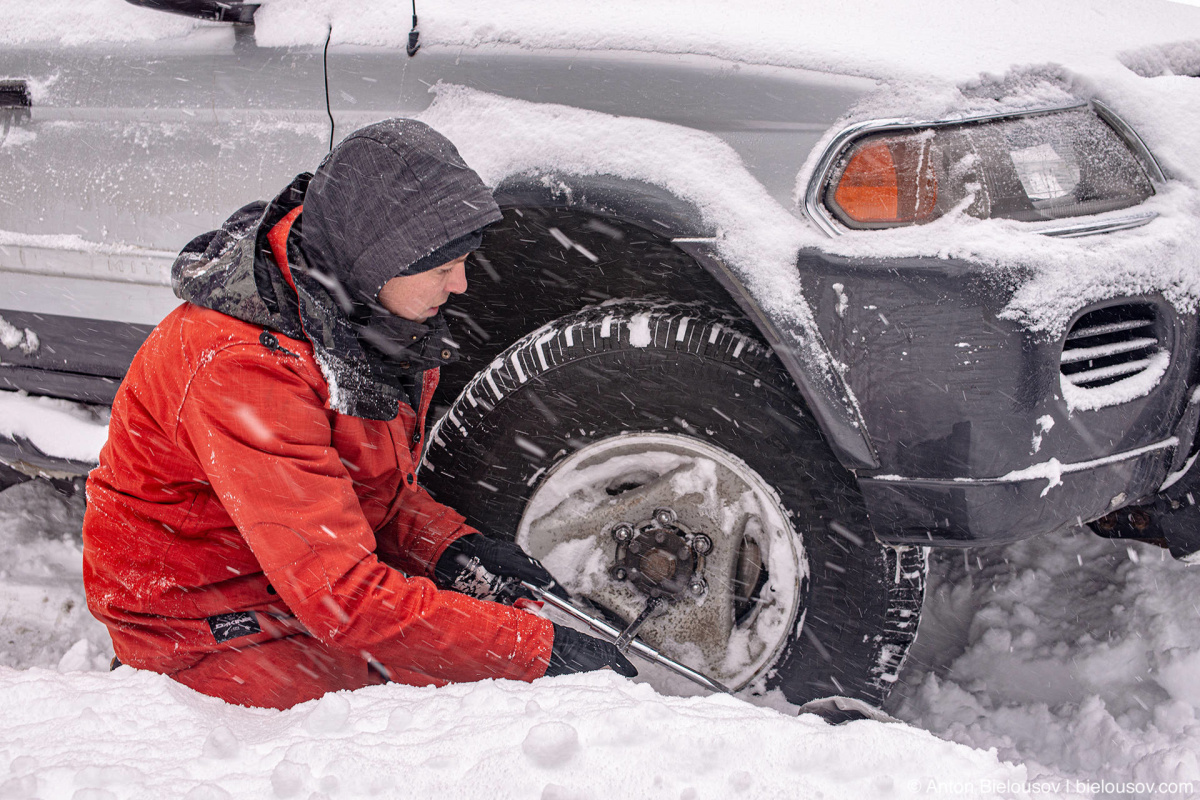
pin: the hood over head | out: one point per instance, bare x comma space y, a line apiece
393, 198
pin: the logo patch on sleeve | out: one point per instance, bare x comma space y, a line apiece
230, 626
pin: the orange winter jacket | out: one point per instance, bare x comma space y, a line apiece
232, 506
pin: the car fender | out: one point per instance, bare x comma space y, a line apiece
659, 211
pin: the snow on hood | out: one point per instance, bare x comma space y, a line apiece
755, 233
866, 37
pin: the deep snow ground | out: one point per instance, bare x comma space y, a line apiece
1072, 654
1074, 657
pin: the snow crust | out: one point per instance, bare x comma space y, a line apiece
85, 22
75, 243
1052, 278
1049, 278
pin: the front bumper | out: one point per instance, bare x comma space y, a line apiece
966, 412
1041, 499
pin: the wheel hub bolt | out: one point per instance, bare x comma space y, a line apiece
701, 544
698, 586
620, 574
664, 516
623, 532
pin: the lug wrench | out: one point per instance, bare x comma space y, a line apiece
630, 644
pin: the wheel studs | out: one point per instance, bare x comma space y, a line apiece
660, 556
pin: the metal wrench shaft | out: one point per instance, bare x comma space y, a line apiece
613, 634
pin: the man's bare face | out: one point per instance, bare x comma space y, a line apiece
418, 297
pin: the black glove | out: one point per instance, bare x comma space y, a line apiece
577, 652
458, 569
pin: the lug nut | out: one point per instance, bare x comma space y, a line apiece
623, 532
701, 543
620, 574
664, 516
698, 586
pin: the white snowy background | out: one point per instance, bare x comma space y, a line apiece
1043, 667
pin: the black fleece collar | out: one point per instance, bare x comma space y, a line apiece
401, 347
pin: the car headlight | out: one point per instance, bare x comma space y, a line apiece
1042, 165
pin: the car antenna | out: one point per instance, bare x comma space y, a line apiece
413, 44
325, 69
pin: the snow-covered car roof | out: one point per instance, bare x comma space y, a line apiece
953, 41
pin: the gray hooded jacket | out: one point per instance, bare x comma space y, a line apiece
394, 198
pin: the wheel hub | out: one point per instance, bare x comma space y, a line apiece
661, 557
658, 519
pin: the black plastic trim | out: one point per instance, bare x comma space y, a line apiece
14, 94
20, 454
213, 10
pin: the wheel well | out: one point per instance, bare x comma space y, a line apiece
541, 263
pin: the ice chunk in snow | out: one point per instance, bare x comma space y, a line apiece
221, 743
551, 744
78, 658
329, 715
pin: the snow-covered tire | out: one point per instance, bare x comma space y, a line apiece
671, 405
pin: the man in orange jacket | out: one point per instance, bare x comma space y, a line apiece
255, 529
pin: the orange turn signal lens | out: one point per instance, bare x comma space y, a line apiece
888, 181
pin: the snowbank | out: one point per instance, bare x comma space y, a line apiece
73, 729
136, 734
44, 621
1074, 655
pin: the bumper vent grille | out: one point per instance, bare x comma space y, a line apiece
1110, 344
